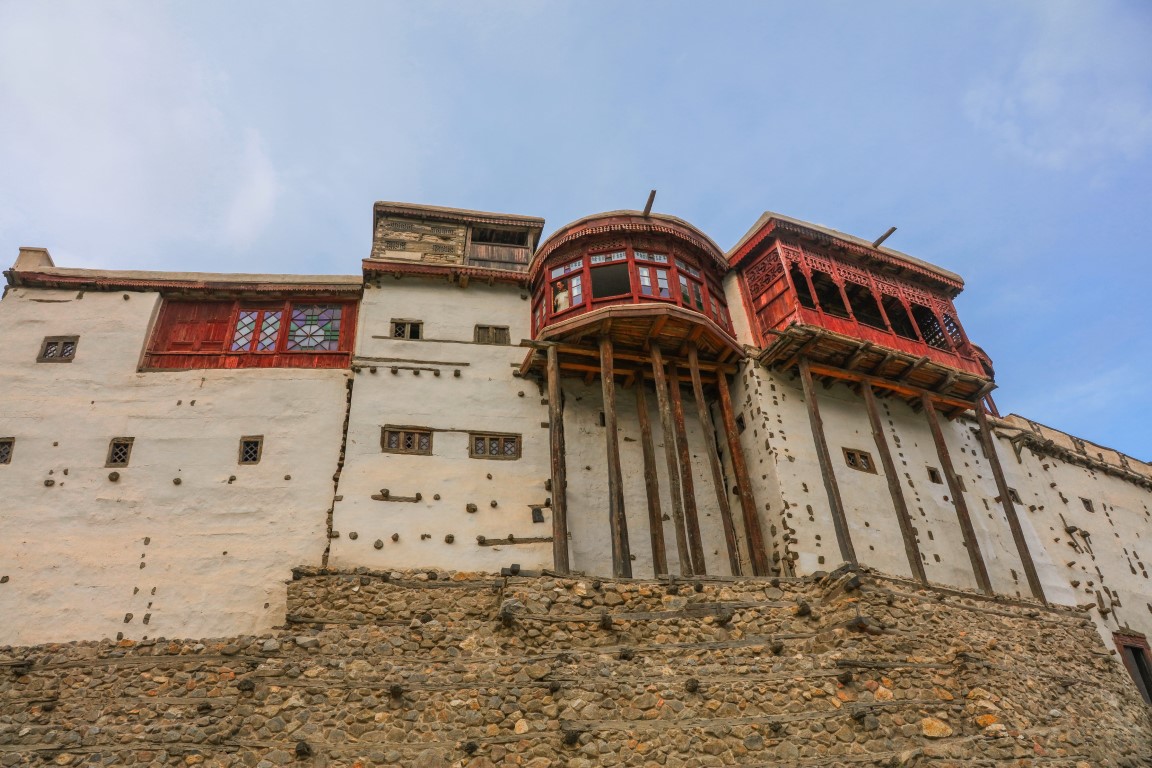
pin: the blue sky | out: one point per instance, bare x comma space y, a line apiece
1009, 142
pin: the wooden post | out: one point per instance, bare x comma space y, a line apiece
978, 567
714, 462
757, 553
559, 468
911, 549
651, 481
839, 520
670, 454
1009, 509
621, 555
687, 484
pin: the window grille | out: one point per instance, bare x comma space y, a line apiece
395, 245
251, 448
861, 460
7, 445
490, 446
119, 451
407, 329
58, 349
406, 440
492, 334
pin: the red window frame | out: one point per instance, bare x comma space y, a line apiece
195, 334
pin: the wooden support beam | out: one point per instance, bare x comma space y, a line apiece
752, 531
945, 383
651, 481
671, 456
693, 335
911, 549
912, 368
560, 560
687, 483
573, 350
655, 331
799, 353
1009, 509
621, 554
839, 520
910, 391
973, 546
854, 358
705, 417
888, 357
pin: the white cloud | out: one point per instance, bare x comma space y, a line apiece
1076, 92
117, 138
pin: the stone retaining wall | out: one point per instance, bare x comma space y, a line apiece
441, 669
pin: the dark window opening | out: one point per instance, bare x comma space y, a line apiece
1134, 655
934, 475
58, 349
406, 440
1014, 496
803, 294
898, 316
537, 515
407, 329
929, 327
499, 236
251, 448
486, 446
828, 294
864, 305
119, 451
7, 445
953, 329
611, 280
492, 334
861, 460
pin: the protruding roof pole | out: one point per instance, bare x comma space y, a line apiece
883, 237
648, 206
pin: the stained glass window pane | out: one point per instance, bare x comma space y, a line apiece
245, 328
314, 328
269, 332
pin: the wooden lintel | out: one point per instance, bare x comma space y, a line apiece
582, 369
644, 358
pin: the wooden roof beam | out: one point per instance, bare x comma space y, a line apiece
907, 391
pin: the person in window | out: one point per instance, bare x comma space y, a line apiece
560, 298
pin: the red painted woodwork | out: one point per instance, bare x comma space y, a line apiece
776, 282
665, 262
192, 334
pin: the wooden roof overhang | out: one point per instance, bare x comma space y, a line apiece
837, 357
772, 227
627, 223
634, 329
453, 273
198, 285
441, 213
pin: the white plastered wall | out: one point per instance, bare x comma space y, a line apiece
485, 397
86, 557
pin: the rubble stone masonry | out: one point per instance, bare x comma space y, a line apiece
437, 669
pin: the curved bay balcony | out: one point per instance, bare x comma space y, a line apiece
642, 280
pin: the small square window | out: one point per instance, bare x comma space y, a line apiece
492, 334
1087, 504
934, 475
1012, 494
861, 460
7, 446
406, 440
740, 423
251, 448
407, 329
119, 451
489, 446
58, 349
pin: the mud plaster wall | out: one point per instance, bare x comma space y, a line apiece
456, 669
461, 497
85, 557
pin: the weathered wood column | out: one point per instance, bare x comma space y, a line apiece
559, 469
691, 515
705, 417
978, 567
989, 443
757, 553
911, 549
651, 481
621, 555
839, 520
670, 455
